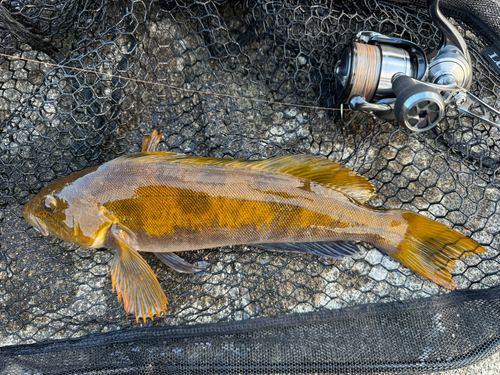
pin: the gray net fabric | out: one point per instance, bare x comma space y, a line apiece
129, 56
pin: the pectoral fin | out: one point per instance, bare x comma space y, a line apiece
177, 263
135, 282
336, 250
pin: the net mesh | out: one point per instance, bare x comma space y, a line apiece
235, 79
295, 343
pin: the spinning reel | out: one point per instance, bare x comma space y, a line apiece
395, 79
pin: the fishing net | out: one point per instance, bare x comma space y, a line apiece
82, 82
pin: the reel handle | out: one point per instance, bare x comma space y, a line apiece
418, 107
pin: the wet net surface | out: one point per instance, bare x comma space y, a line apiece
55, 121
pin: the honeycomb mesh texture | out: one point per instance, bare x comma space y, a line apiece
251, 74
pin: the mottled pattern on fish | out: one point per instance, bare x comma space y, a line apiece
190, 206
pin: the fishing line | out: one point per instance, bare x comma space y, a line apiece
366, 72
109, 75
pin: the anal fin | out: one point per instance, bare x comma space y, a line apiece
136, 284
330, 249
177, 263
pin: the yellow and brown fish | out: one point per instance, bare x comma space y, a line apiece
165, 202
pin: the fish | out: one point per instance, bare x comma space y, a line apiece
164, 203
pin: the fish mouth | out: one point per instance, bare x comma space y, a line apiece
37, 224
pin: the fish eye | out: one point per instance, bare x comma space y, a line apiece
50, 203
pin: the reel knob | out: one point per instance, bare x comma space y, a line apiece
418, 107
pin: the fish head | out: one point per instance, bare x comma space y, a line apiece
67, 209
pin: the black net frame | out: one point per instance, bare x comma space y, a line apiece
129, 55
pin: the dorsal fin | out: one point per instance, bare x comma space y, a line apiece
150, 142
313, 168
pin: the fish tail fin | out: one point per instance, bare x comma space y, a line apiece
431, 248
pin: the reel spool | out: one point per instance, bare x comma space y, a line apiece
395, 79
367, 69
